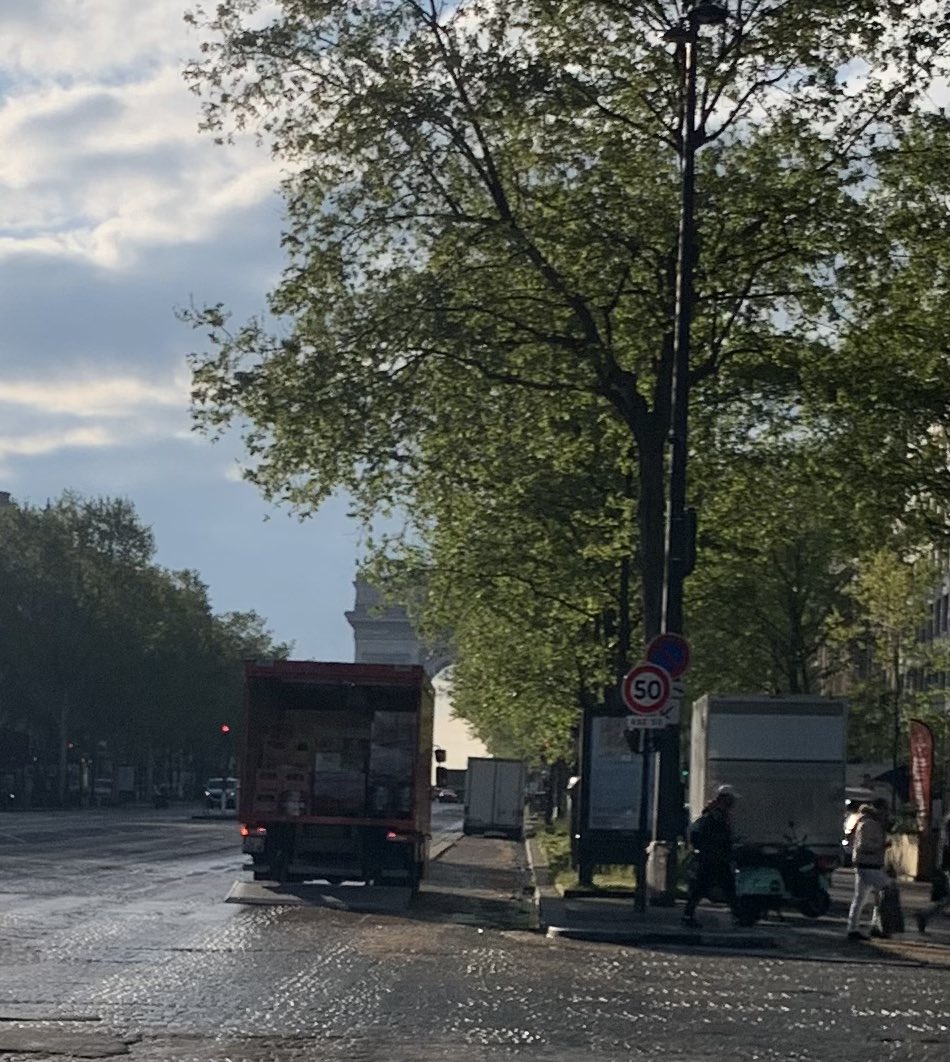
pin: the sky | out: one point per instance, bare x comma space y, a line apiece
114, 212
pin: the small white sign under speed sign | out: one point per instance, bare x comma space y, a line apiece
646, 690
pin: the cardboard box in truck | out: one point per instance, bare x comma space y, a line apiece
335, 769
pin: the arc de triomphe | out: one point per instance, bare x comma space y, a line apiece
384, 635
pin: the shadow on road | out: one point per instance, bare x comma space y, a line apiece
480, 882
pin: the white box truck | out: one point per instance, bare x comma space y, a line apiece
786, 758
495, 796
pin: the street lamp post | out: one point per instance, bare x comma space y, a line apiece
680, 525
679, 537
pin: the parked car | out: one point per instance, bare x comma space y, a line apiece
445, 796
213, 792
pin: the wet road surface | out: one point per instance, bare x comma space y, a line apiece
114, 941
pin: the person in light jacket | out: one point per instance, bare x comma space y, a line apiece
870, 843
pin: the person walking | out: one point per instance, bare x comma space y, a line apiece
711, 838
870, 842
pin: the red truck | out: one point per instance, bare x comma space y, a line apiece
335, 772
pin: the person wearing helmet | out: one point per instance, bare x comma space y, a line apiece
711, 839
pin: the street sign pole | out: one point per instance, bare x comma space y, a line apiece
646, 691
653, 692
646, 751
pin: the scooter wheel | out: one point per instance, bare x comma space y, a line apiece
815, 905
748, 910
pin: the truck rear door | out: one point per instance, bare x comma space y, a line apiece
480, 794
508, 811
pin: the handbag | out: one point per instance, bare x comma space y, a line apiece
891, 912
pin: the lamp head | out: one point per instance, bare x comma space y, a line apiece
708, 13
681, 33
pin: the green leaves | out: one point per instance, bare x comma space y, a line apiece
136, 649
887, 627
474, 326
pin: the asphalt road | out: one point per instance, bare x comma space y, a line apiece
114, 940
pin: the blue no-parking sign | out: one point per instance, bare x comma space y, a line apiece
670, 652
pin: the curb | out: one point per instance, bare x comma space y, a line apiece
439, 850
529, 845
548, 902
552, 916
648, 937
553, 920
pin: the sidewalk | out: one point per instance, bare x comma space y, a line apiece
613, 920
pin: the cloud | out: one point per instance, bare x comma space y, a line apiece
91, 322
234, 473
49, 442
51, 416
114, 210
99, 167
103, 397
43, 39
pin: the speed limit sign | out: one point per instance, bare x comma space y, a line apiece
646, 689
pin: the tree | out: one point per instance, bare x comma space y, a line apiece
484, 196
100, 644
521, 560
65, 570
882, 636
776, 556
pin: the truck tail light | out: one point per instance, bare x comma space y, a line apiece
257, 831
391, 835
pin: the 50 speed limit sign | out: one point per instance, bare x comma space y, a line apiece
646, 689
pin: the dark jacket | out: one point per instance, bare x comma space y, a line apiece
711, 834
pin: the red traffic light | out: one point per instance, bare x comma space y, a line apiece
225, 729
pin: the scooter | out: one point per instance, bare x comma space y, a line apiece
769, 877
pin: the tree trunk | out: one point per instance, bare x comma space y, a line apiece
896, 736
63, 742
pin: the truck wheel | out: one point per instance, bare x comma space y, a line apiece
415, 878
815, 905
278, 866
